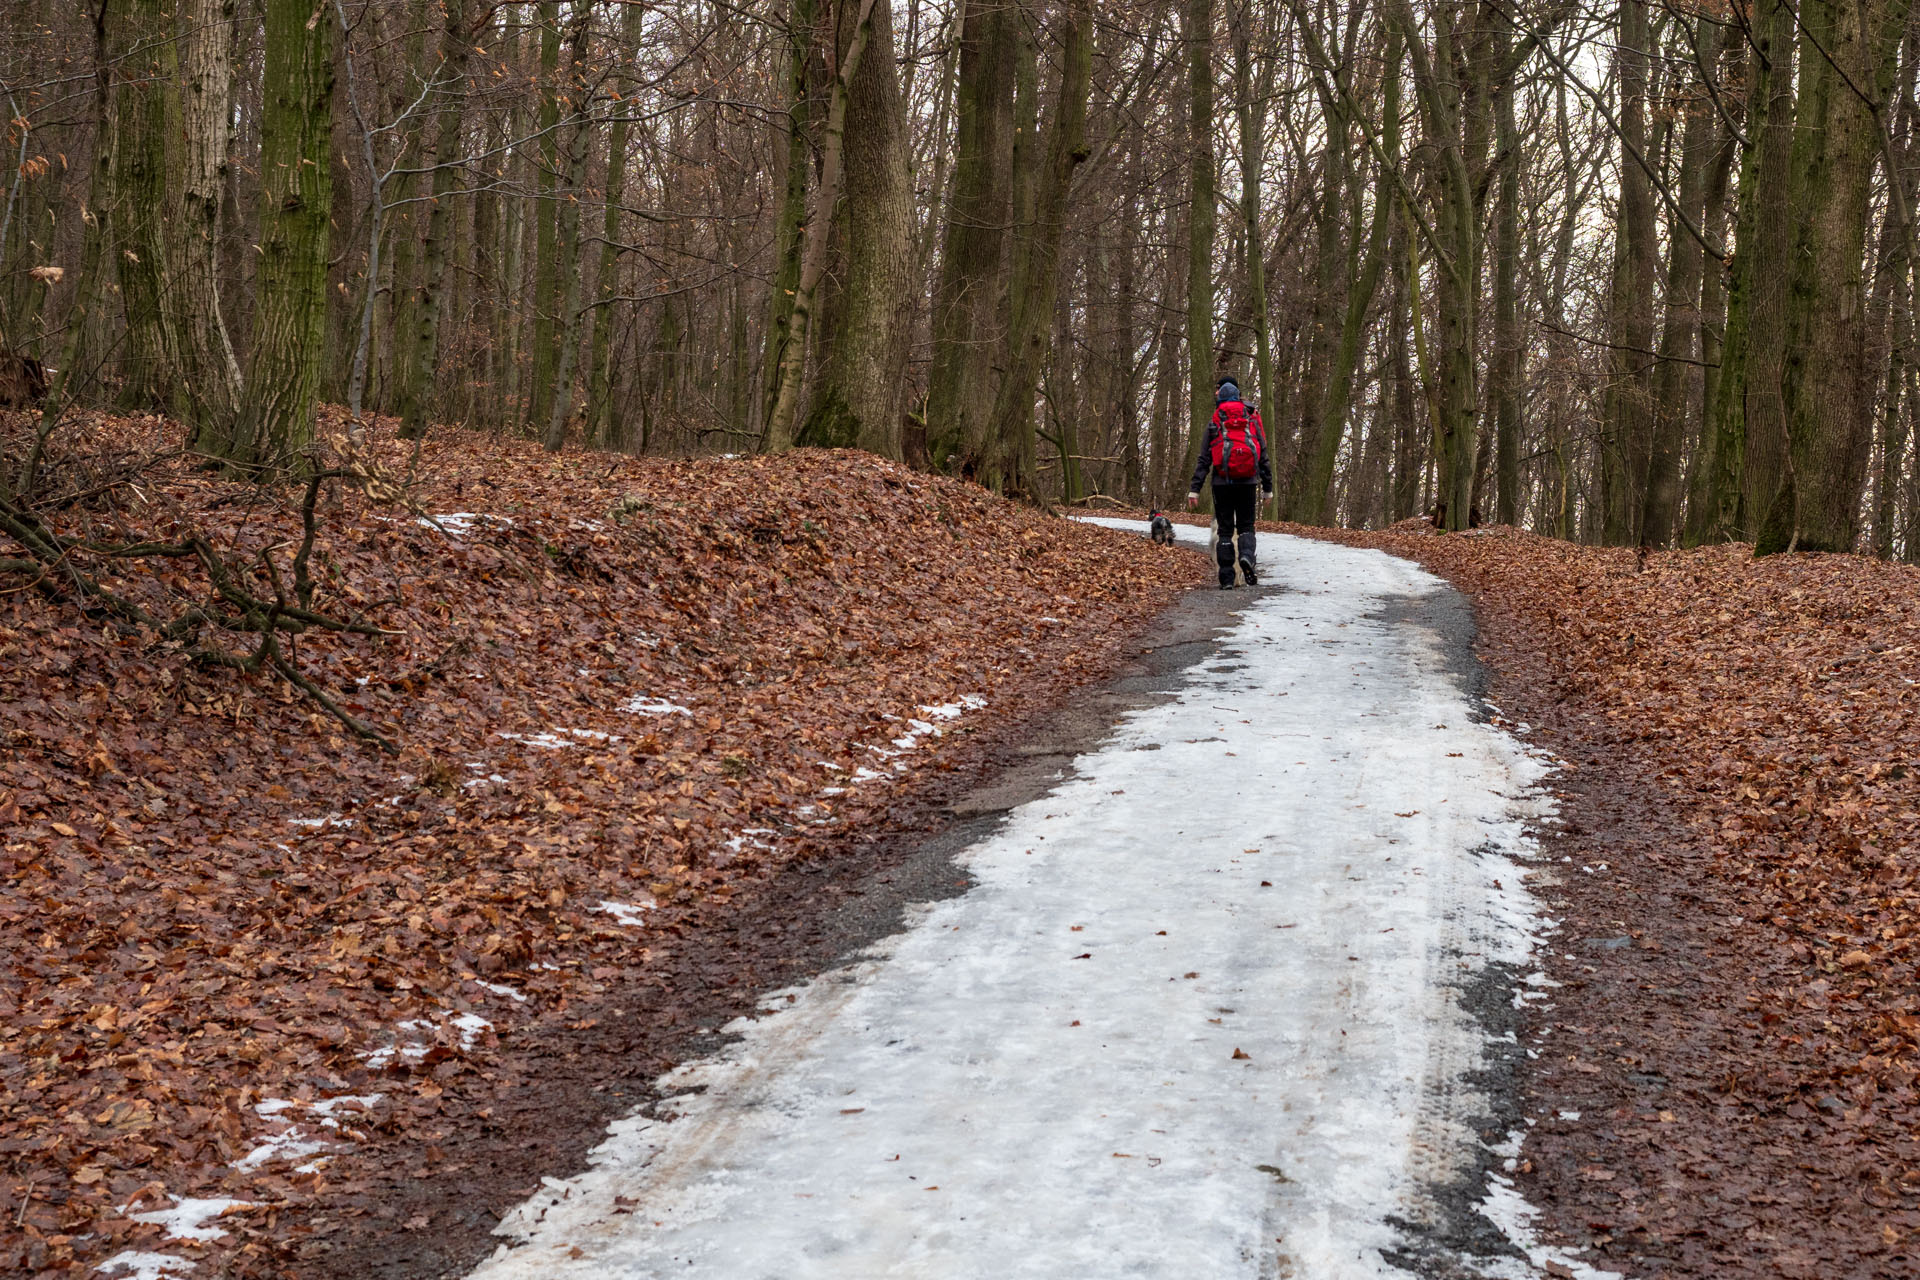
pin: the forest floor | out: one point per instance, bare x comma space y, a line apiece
662, 724
1726, 1080
266, 980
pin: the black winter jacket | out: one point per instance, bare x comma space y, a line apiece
1204, 463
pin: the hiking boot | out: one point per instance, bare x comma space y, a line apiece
1247, 572
1226, 582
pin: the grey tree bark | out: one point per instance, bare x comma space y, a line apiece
862, 393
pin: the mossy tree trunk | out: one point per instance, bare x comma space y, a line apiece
443, 158
138, 35
573, 159
1847, 59
862, 390
967, 318
276, 419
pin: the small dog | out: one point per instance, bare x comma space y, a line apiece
1160, 529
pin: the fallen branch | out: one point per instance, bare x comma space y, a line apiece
54, 561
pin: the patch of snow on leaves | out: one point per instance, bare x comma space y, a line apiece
332, 819
188, 1220
752, 838
136, 1264
641, 705
293, 1142
917, 729
467, 1028
953, 710
627, 913
502, 989
463, 522
553, 740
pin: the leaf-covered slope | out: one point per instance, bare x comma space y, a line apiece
620, 686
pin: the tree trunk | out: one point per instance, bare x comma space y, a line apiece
137, 30
1672, 379
1504, 370
600, 400
418, 369
1037, 275
547, 280
782, 421
1252, 106
567, 231
1198, 15
206, 384
1404, 492
1830, 427
404, 214
790, 225
1331, 280
968, 323
1701, 500
863, 393
87, 281
1312, 481
1628, 443
1894, 311
1441, 79
290, 315
1750, 421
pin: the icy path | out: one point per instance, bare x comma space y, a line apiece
1199, 1017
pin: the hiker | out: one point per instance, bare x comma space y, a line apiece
1236, 454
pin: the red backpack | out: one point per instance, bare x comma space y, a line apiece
1237, 448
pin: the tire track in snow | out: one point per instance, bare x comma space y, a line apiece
1203, 1012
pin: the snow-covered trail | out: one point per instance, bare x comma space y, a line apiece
1200, 1015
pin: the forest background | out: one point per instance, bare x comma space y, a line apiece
1627, 274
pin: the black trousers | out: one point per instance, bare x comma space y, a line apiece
1234, 507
